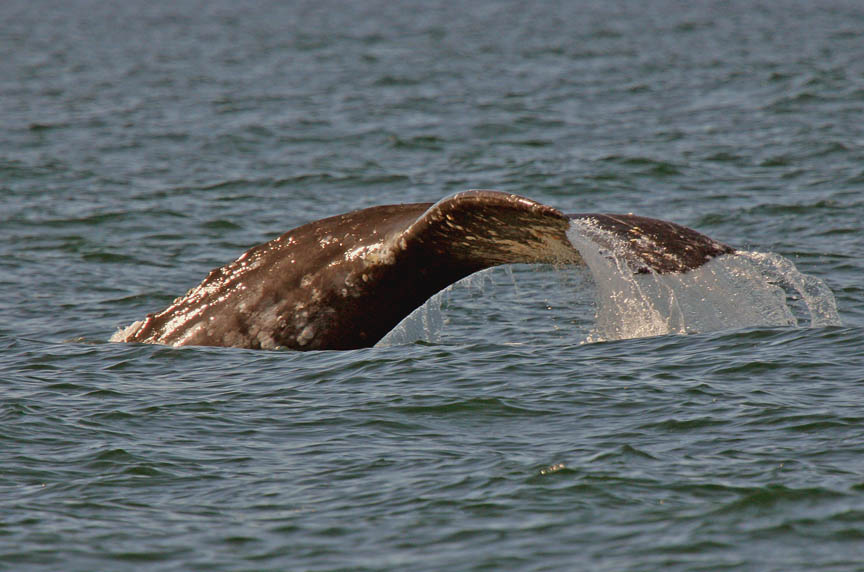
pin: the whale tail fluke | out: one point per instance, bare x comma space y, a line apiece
343, 282
648, 244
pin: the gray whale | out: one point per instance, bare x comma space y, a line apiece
343, 282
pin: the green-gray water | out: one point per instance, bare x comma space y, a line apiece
143, 144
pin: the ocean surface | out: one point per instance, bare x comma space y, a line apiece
143, 144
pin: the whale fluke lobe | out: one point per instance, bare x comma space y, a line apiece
343, 282
649, 244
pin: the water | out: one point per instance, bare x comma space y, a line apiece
145, 144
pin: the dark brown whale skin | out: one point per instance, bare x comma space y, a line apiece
343, 282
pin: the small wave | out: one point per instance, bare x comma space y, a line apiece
645, 165
418, 142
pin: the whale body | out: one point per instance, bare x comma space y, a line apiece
343, 282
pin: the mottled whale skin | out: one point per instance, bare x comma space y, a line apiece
343, 282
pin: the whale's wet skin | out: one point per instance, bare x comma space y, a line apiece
346, 281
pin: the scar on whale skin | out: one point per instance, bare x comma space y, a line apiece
343, 282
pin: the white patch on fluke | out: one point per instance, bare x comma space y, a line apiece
375, 253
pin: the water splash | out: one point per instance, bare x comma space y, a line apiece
746, 289
809, 296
